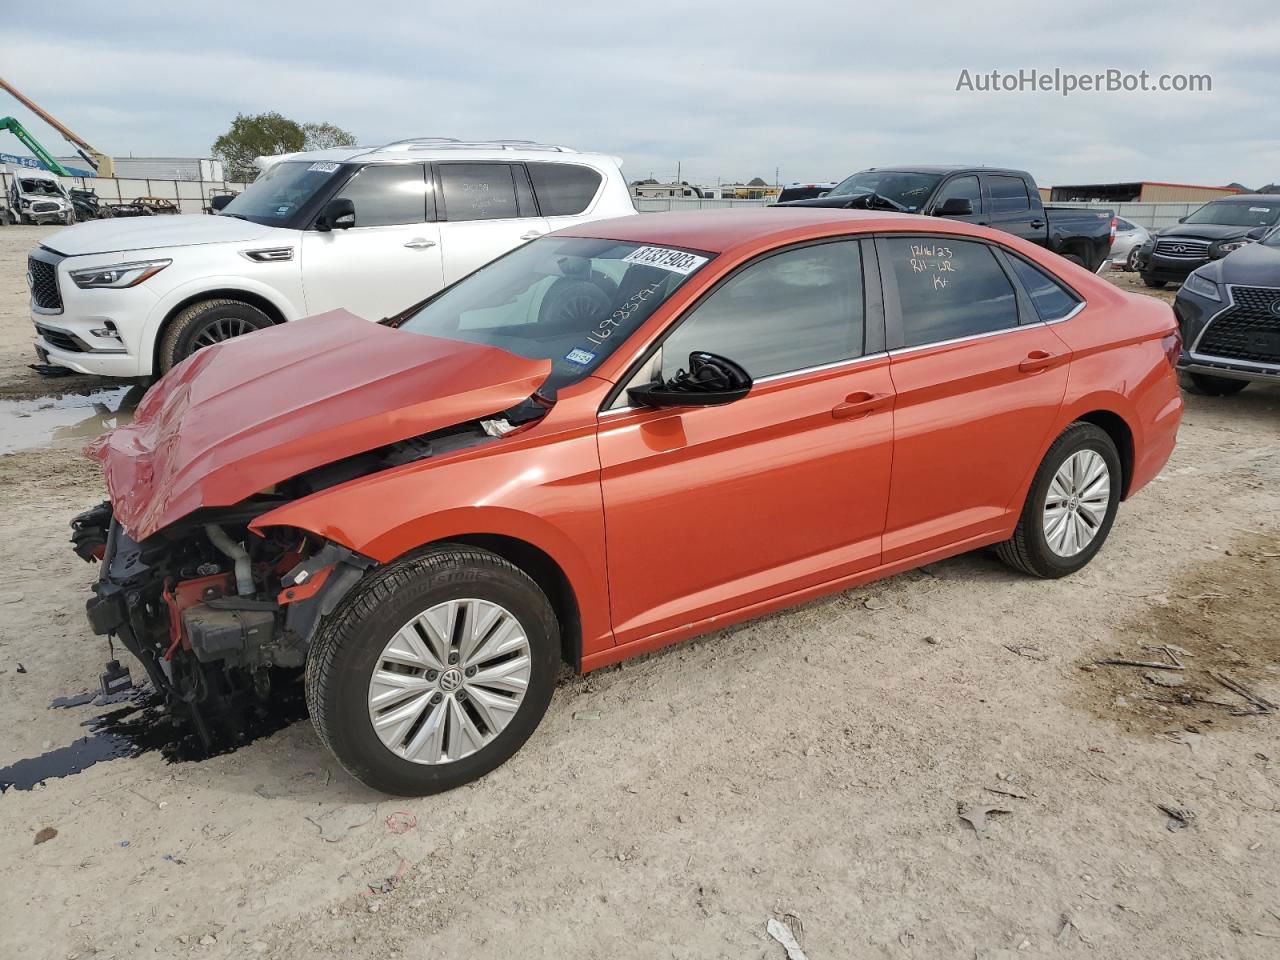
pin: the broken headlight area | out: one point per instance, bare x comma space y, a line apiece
217, 613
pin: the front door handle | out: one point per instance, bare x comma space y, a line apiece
420, 243
1038, 360
1037, 224
860, 404
531, 235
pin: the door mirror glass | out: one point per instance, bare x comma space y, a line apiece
710, 380
956, 207
339, 214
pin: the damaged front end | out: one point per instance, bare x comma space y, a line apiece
217, 612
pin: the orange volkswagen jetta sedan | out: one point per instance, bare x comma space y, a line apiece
603, 442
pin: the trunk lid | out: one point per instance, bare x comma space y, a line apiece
241, 416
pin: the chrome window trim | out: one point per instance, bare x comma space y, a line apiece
774, 377
1194, 353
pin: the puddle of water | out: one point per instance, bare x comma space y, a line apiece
73, 416
146, 725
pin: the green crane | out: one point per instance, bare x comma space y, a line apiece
34, 145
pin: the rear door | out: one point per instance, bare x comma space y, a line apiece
979, 381
389, 259
485, 210
712, 509
1012, 209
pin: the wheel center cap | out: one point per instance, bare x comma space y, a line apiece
1073, 503
451, 680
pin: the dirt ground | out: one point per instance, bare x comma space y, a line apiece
806, 766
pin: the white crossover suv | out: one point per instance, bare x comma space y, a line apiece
371, 230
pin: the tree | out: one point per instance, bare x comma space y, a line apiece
324, 136
267, 134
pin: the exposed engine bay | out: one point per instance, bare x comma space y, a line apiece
217, 613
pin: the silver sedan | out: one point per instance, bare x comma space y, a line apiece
1129, 240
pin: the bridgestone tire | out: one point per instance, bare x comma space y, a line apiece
1028, 550
350, 641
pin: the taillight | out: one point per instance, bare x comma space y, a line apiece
1113, 229
1172, 345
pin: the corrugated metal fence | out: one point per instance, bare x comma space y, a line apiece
191, 196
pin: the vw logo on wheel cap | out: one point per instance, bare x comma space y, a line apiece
451, 680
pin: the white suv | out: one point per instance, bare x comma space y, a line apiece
369, 230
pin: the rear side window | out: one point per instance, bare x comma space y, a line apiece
1008, 194
564, 189
1051, 300
478, 191
948, 289
797, 309
388, 193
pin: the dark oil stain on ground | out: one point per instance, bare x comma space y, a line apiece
147, 725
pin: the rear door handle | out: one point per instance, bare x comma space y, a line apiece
1038, 360
420, 243
531, 235
860, 404
1037, 224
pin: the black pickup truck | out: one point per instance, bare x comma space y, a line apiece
1005, 200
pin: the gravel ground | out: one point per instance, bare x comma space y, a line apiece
808, 766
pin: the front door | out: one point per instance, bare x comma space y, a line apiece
979, 382
486, 209
711, 509
389, 259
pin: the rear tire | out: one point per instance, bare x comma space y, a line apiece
1131, 261
204, 323
353, 644
1154, 284
1077, 260
1032, 548
1210, 386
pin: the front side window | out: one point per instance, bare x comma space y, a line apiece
1237, 213
963, 188
478, 191
947, 289
1051, 300
564, 189
571, 300
797, 309
387, 193
1008, 194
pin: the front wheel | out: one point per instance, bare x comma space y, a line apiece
1131, 261
1154, 284
1070, 507
1211, 386
433, 671
202, 325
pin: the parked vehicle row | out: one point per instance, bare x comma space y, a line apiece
369, 230
37, 196
1007, 200
611, 438
1209, 233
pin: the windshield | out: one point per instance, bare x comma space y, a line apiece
910, 190
41, 188
1237, 213
276, 195
570, 300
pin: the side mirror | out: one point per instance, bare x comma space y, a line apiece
220, 201
955, 207
710, 381
339, 214
1257, 233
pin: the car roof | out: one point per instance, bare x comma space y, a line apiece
439, 148
943, 168
1249, 198
715, 231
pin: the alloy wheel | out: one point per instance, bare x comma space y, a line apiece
449, 681
220, 329
1076, 503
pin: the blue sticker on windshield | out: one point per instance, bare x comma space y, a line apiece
582, 357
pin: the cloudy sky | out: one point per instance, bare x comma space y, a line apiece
731, 91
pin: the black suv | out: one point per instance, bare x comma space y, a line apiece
1210, 233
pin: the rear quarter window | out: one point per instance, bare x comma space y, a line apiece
564, 189
1051, 300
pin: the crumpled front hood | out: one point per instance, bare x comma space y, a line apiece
239, 417
148, 233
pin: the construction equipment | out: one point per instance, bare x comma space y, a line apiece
100, 162
34, 145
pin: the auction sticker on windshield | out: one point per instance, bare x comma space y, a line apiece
677, 261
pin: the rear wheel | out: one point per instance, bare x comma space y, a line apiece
1131, 261
1074, 258
433, 671
1070, 507
1154, 284
1211, 386
202, 325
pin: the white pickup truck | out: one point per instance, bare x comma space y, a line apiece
372, 230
